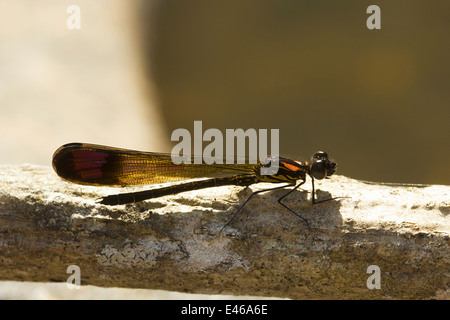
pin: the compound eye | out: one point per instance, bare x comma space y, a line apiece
319, 169
320, 155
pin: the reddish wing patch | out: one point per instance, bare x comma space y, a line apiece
88, 163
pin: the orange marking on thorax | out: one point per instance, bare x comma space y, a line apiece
291, 167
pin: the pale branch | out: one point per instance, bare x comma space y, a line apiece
175, 243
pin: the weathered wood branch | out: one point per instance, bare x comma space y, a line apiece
175, 243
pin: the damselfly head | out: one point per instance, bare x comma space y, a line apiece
321, 166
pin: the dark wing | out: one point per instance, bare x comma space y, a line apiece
91, 164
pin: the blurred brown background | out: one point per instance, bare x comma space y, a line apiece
376, 100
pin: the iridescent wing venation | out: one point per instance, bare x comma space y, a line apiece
91, 164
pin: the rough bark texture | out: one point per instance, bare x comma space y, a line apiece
175, 243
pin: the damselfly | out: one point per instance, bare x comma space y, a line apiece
96, 165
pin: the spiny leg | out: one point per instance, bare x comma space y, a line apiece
246, 201
314, 201
288, 193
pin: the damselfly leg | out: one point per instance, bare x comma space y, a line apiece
246, 201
